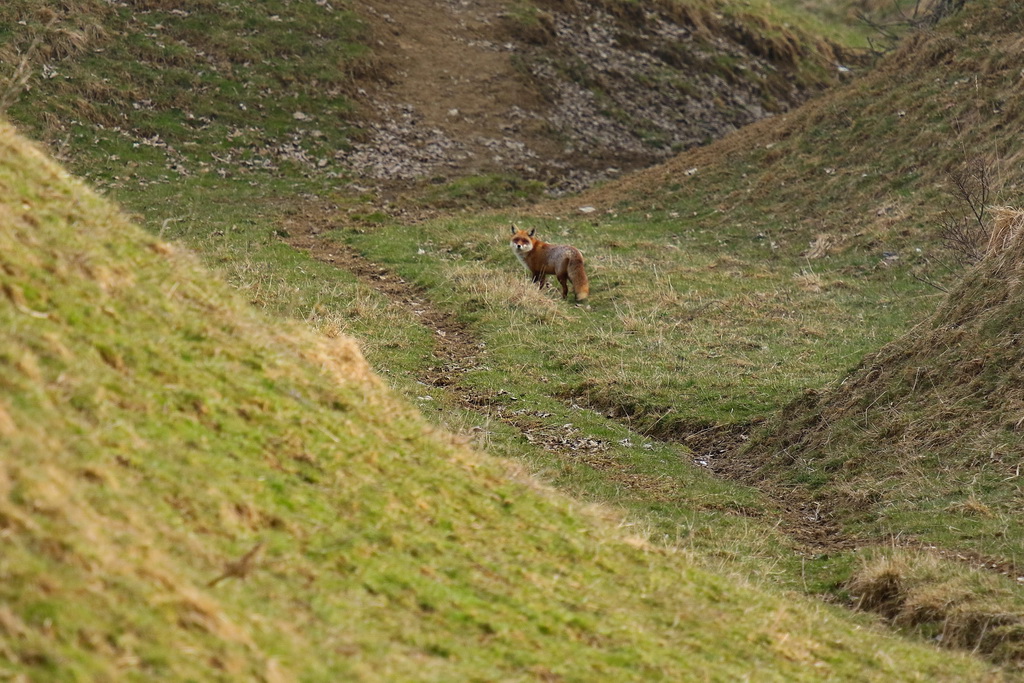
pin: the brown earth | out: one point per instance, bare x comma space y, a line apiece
571, 94
453, 101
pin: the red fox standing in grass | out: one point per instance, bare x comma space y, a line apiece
543, 259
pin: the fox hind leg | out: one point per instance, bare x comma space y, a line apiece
563, 278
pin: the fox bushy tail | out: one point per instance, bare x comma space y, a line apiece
578, 277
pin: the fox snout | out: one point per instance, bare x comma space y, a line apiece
522, 241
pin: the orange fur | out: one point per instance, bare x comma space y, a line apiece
543, 259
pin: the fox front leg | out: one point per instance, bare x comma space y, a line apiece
541, 279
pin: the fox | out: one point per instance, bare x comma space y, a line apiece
542, 259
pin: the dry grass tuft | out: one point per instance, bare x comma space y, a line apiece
809, 281
337, 357
923, 592
880, 586
511, 291
1007, 231
971, 506
51, 37
820, 246
7, 426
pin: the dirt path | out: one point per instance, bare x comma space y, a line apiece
455, 100
456, 350
569, 95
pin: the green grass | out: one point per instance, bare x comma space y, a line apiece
942, 403
153, 427
794, 21
705, 313
160, 95
483, 192
687, 328
667, 497
678, 339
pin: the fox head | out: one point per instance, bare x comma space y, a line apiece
522, 241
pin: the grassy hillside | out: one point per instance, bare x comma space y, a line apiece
147, 93
190, 490
742, 274
160, 93
865, 167
924, 438
725, 284
916, 444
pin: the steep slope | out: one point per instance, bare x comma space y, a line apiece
923, 440
866, 166
925, 435
150, 92
570, 92
189, 491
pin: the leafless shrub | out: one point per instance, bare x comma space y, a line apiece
965, 226
924, 14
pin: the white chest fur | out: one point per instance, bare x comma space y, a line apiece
521, 254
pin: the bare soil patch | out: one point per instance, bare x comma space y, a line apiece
571, 94
454, 103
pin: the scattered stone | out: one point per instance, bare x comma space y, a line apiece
615, 95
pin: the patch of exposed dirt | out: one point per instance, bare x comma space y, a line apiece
456, 349
454, 103
570, 94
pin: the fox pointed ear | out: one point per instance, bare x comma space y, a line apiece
533, 231
514, 229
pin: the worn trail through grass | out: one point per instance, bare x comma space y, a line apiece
811, 523
457, 351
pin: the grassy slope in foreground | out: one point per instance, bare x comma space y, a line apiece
152, 429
